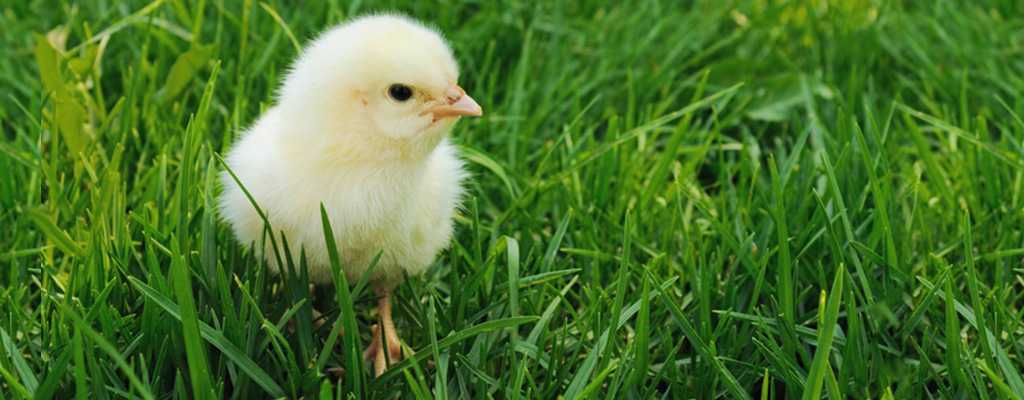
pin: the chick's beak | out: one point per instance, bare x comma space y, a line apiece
458, 104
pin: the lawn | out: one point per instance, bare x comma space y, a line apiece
674, 199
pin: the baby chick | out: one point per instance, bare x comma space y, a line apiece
360, 126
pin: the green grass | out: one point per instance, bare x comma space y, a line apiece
699, 199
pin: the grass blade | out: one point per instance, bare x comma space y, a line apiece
217, 339
195, 351
108, 348
28, 379
353, 353
829, 317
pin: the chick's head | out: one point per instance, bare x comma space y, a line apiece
377, 83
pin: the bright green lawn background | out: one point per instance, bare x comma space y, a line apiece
708, 199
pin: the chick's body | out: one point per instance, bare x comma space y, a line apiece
402, 209
360, 126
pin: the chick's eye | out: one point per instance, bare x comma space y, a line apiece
400, 92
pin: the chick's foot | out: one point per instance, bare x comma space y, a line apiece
381, 362
384, 337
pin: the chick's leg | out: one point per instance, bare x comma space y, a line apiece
387, 340
318, 317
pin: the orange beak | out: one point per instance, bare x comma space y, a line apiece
459, 104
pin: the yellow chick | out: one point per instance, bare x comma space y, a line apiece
361, 126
